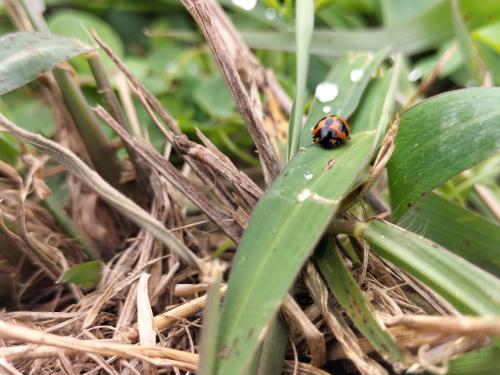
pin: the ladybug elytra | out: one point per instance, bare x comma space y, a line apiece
331, 131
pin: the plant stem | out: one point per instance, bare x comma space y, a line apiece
111, 101
342, 226
101, 153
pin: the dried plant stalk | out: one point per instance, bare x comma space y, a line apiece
154, 355
205, 17
105, 191
182, 184
340, 330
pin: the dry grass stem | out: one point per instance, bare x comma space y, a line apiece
154, 355
105, 191
315, 339
338, 327
181, 183
450, 325
203, 14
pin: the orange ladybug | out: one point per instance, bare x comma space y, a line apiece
331, 131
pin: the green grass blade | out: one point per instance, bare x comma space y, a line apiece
283, 229
467, 48
25, 55
357, 307
342, 89
377, 105
304, 11
211, 315
272, 353
456, 228
481, 362
86, 274
470, 289
439, 138
428, 30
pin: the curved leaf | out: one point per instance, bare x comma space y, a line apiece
284, 227
304, 25
456, 228
356, 305
85, 274
439, 138
470, 289
25, 55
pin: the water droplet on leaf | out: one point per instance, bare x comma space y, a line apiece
357, 74
326, 91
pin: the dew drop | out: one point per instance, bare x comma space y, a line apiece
357, 74
415, 74
327, 109
270, 14
308, 175
245, 4
326, 91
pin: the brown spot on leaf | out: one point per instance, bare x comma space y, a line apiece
330, 164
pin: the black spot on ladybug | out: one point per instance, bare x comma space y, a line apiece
329, 121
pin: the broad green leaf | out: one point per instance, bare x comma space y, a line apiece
85, 274
25, 55
439, 138
214, 98
342, 89
355, 304
284, 228
456, 228
470, 289
79, 25
32, 113
304, 25
428, 30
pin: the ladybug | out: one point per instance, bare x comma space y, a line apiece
331, 131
